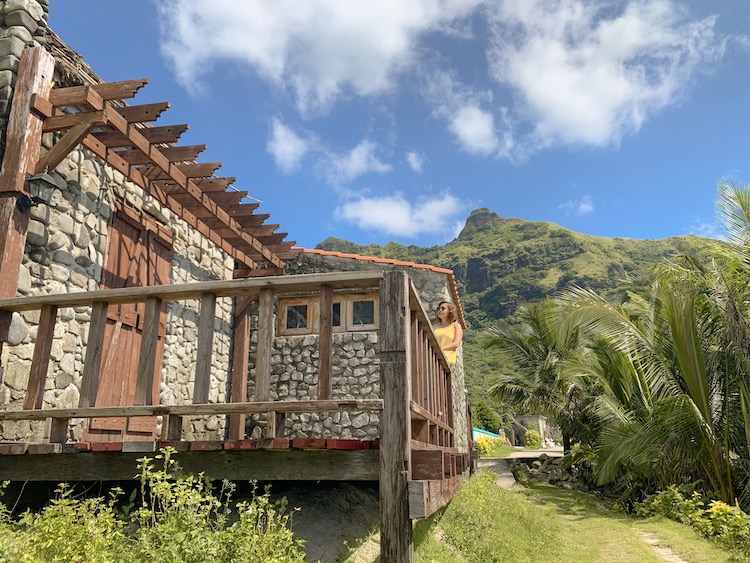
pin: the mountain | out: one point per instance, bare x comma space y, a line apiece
500, 263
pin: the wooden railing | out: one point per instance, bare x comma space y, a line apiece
430, 403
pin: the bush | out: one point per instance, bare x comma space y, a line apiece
727, 525
532, 439
485, 445
177, 520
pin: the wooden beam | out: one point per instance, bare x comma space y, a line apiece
204, 348
194, 290
62, 147
427, 497
396, 533
40, 359
174, 154
94, 347
68, 120
239, 465
144, 383
143, 113
240, 363
199, 169
23, 138
325, 342
263, 356
214, 184
155, 135
206, 409
77, 95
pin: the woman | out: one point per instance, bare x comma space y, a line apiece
448, 331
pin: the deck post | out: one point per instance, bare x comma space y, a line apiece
240, 357
204, 352
263, 357
23, 139
325, 342
396, 533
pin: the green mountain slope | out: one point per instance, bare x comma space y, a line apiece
500, 263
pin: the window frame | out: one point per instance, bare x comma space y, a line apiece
344, 300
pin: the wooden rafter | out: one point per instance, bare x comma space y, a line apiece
147, 156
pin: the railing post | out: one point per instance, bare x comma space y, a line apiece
325, 342
240, 357
396, 534
204, 352
144, 383
263, 359
92, 365
40, 360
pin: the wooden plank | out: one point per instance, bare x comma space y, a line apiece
325, 342
241, 465
199, 169
263, 356
427, 465
22, 139
174, 154
68, 120
40, 359
144, 383
144, 112
204, 348
240, 362
427, 497
254, 407
93, 361
396, 533
58, 432
76, 95
156, 135
194, 290
62, 147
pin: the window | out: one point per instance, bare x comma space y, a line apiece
351, 312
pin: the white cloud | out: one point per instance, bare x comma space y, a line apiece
318, 49
416, 161
286, 147
585, 74
584, 206
395, 215
475, 130
342, 168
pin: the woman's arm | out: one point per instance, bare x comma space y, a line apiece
458, 334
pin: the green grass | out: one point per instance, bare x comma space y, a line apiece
486, 524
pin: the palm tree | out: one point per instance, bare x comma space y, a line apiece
537, 386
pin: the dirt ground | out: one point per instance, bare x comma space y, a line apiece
330, 514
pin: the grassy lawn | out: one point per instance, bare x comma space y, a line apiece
486, 524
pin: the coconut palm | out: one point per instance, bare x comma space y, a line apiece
537, 386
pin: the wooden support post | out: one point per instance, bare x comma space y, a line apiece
40, 360
58, 431
144, 383
263, 357
396, 534
325, 342
204, 348
93, 363
23, 138
171, 427
240, 357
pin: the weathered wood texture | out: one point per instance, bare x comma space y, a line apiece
427, 497
325, 342
277, 465
240, 363
204, 348
396, 533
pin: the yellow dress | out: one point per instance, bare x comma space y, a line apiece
445, 336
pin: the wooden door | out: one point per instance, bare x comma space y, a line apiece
139, 255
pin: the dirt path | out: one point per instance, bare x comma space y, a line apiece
666, 554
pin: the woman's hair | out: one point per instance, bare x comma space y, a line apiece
452, 317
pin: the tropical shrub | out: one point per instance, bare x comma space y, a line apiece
716, 520
485, 445
532, 439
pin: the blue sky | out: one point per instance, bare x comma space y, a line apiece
391, 120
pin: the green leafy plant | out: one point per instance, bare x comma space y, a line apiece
533, 439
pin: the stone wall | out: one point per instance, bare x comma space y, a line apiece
66, 244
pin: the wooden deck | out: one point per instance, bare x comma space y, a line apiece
415, 458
